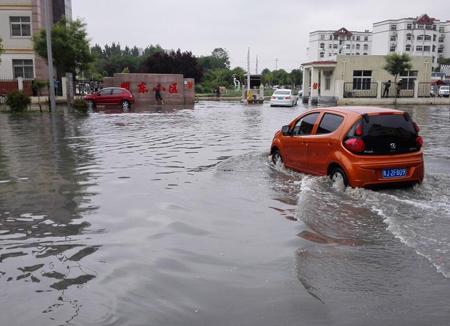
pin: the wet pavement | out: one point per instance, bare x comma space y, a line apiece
177, 217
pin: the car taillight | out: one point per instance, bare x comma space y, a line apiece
287, 98
416, 127
419, 141
273, 97
359, 130
355, 145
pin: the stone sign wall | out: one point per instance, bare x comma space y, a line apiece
175, 89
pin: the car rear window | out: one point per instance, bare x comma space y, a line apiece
389, 134
330, 122
282, 93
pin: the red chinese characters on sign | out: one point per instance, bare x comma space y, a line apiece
190, 84
173, 88
125, 85
142, 88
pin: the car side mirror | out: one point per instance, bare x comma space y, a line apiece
285, 131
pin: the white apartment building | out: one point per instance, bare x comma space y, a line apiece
420, 36
19, 20
325, 45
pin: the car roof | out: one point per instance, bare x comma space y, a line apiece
360, 109
283, 89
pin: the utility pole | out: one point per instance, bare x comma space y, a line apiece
276, 63
256, 72
48, 32
248, 70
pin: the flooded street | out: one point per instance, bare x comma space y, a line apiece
177, 217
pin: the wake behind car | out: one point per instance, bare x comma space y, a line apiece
110, 96
362, 146
283, 97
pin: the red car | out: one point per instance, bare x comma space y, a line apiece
110, 96
362, 146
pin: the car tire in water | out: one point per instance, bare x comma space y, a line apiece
338, 174
276, 157
125, 105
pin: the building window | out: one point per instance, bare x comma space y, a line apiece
322, 37
362, 79
420, 26
420, 38
366, 38
335, 46
347, 46
427, 37
393, 27
330, 46
426, 48
441, 29
408, 26
440, 49
409, 79
322, 45
408, 47
393, 38
409, 36
20, 26
357, 38
441, 39
322, 54
392, 48
419, 48
366, 47
358, 46
434, 37
433, 49
365, 53
331, 37
23, 68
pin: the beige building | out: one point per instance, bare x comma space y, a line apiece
364, 77
19, 20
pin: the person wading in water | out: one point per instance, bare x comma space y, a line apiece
157, 89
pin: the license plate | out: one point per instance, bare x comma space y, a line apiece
394, 173
280, 97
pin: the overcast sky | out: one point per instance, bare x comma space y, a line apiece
272, 29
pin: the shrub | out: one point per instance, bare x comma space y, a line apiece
80, 105
17, 101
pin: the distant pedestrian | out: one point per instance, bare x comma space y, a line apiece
158, 97
218, 92
387, 86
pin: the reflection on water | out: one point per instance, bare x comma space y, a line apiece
177, 217
44, 204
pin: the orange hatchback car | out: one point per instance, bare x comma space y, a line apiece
364, 146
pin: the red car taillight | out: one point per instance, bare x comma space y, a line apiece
287, 98
273, 97
355, 145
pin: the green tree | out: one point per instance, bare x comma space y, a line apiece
281, 77
70, 46
296, 76
219, 59
267, 77
397, 64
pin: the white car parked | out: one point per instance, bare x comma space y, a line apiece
444, 91
283, 97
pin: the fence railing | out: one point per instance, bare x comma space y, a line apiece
362, 90
427, 90
397, 90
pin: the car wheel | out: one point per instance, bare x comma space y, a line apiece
125, 105
338, 175
276, 157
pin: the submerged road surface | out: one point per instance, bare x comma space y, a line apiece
177, 217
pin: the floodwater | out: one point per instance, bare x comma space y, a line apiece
177, 217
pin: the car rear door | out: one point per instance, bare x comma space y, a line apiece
294, 146
117, 96
321, 145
